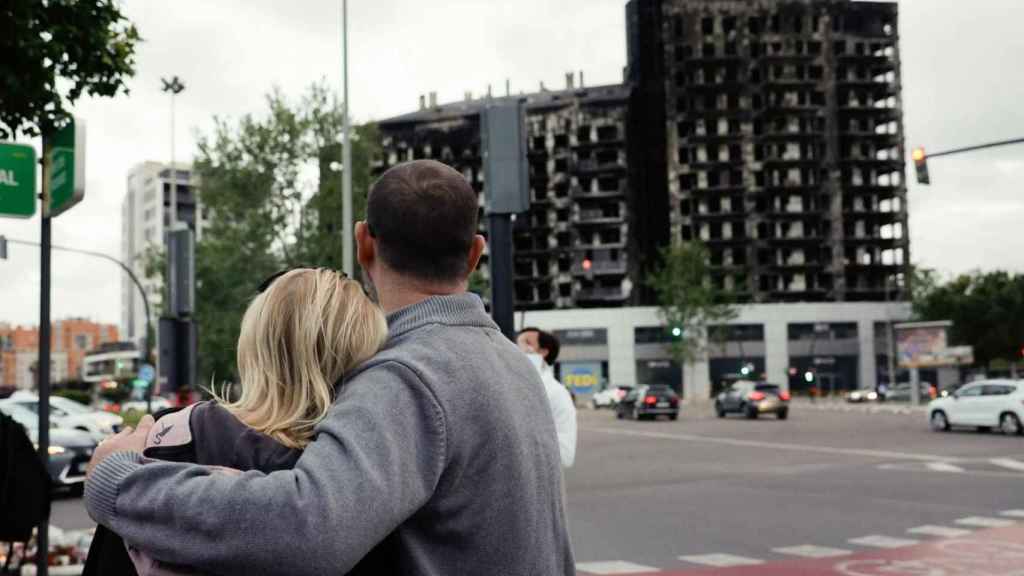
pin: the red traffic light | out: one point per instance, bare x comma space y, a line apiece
587, 264
921, 165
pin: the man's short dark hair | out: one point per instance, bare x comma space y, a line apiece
423, 215
547, 341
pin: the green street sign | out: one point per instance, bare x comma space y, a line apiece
17, 180
64, 179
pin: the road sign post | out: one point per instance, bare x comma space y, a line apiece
65, 174
17, 180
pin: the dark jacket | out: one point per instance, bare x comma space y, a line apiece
24, 483
213, 437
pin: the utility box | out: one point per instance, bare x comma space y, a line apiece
181, 278
503, 144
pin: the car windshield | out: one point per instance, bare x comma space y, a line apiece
769, 388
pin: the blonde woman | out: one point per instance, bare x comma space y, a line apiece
302, 333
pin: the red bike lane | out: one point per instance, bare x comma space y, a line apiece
996, 552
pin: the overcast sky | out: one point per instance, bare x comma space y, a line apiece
960, 62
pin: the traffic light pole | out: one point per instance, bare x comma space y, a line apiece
973, 148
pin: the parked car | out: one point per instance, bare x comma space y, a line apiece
69, 450
649, 401
753, 399
986, 404
73, 415
158, 403
609, 397
862, 395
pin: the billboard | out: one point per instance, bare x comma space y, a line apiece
926, 345
581, 377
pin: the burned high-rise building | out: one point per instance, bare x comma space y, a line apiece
570, 249
771, 130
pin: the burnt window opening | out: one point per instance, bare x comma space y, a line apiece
707, 26
562, 189
734, 127
759, 179
735, 153
754, 25
607, 157
563, 240
561, 165
681, 104
539, 143
713, 180
686, 233
839, 47
564, 264
544, 292
565, 290
685, 207
608, 184
813, 48
708, 50
610, 236
606, 133
688, 181
728, 24
562, 215
583, 134
756, 49
773, 24
561, 140
684, 129
730, 50
677, 25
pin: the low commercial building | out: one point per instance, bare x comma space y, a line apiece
843, 345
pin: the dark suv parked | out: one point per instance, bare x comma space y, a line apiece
649, 401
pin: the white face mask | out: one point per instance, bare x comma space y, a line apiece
537, 360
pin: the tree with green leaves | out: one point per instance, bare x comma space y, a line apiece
55, 52
688, 304
271, 188
987, 310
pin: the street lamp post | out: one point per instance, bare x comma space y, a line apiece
889, 353
346, 153
175, 86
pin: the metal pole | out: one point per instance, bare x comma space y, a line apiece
502, 300
890, 352
173, 171
43, 366
973, 148
346, 160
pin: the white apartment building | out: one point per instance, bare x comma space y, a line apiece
145, 217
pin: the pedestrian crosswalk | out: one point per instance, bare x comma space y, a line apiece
955, 528
995, 467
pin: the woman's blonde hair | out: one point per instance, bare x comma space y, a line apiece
299, 336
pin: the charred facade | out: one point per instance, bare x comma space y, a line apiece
571, 248
782, 139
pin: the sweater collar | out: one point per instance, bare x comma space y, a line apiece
464, 309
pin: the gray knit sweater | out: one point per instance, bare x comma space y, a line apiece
444, 441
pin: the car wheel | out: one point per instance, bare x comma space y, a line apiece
719, 410
782, 414
1010, 424
984, 429
939, 421
673, 416
619, 414
751, 412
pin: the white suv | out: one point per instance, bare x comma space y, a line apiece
984, 404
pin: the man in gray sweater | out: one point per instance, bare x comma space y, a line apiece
443, 442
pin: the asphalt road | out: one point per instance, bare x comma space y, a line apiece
647, 493
643, 494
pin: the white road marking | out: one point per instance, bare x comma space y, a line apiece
918, 467
721, 560
1008, 463
614, 567
879, 541
944, 467
942, 531
1012, 513
985, 522
810, 551
917, 457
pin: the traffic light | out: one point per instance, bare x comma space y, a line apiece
588, 268
921, 165
677, 332
809, 376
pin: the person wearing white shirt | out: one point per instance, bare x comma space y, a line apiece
542, 349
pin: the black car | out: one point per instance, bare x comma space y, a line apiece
649, 401
753, 399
